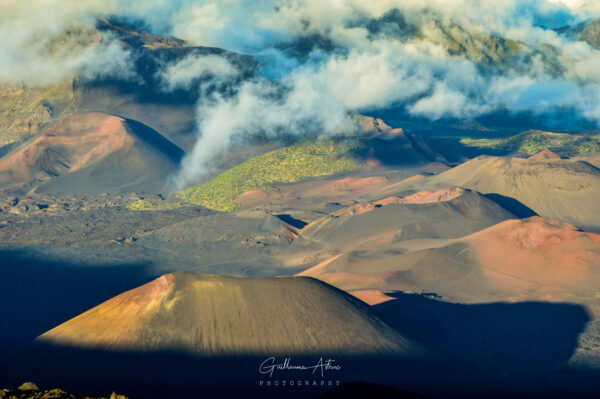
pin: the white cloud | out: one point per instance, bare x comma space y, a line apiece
182, 74
36, 50
445, 102
315, 93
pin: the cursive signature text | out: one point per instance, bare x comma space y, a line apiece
269, 365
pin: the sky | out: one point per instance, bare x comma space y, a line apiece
370, 56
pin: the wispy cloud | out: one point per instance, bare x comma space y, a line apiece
323, 60
46, 41
189, 71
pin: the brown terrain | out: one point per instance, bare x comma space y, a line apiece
552, 188
89, 152
545, 154
444, 214
477, 280
423, 265
591, 159
215, 315
526, 259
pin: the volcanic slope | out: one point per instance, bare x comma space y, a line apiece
520, 259
521, 262
268, 178
552, 188
212, 315
91, 153
198, 329
449, 213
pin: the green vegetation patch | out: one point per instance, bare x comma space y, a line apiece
482, 143
285, 165
25, 110
477, 46
156, 205
534, 141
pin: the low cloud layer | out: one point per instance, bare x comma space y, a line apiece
189, 71
44, 42
321, 61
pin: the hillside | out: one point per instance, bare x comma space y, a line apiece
449, 214
215, 315
479, 47
528, 259
91, 153
533, 141
559, 189
24, 110
309, 199
27, 108
587, 31
486, 49
285, 165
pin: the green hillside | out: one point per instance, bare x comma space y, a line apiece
533, 141
285, 165
476, 46
587, 31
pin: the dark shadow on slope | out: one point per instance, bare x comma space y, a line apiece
492, 350
156, 139
297, 223
398, 151
446, 141
173, 374
39, 294
518, 349
529, 341
453, 150
512, 205
363, 389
